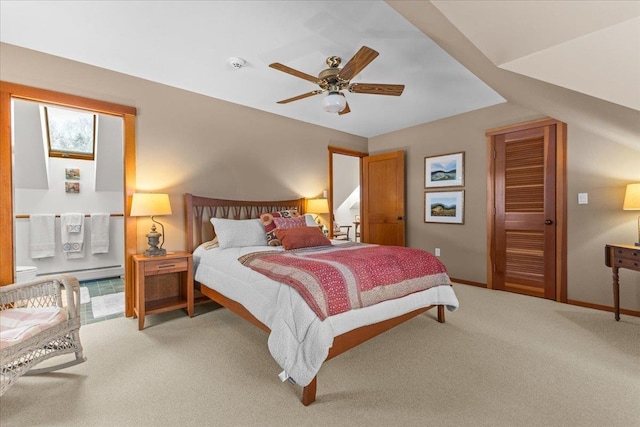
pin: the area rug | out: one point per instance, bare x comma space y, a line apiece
107, 305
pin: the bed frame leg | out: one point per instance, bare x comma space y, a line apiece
441, 313
309, 392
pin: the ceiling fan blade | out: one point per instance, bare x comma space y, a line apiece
289, 70
361, 59
377, 89
304, 95
345, 111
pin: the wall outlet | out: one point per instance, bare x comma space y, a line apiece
583, 198
437, 252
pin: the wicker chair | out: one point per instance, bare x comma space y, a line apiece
39, 319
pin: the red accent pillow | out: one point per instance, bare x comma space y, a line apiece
301, 237
270, 225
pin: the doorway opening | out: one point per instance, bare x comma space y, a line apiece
10, 92
345, 193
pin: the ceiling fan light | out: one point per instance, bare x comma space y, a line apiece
334, 102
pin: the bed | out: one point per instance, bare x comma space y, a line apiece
278, 309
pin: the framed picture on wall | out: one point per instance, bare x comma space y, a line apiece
72, 173
71, 187
446, 170
446, 207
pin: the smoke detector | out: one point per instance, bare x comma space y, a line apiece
237, 63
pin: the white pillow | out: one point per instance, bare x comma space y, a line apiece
236, 233
308, 218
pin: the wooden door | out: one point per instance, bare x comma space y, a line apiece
383, 206
526, 227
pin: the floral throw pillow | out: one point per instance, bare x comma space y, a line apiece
270, 225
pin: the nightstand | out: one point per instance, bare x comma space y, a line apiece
162, 283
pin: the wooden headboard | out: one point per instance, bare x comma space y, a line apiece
199, 211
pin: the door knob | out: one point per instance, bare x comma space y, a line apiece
548, 222
400, 218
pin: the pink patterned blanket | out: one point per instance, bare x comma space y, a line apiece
335, 279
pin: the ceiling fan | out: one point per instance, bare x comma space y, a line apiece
335, 79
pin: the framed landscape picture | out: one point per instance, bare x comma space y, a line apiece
446, 170
72, 173
71, 187
445, 207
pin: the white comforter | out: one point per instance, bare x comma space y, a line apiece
299, 340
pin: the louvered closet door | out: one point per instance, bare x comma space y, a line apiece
525, 212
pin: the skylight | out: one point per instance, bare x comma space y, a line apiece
70, 133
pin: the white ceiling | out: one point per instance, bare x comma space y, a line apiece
592, 47
187, 44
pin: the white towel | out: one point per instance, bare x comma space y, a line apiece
42, 236
72, 235
99, 233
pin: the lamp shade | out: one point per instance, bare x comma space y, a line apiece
150, 204
632, 198
334, 102
317, 206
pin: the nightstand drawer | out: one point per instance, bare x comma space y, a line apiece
165, 266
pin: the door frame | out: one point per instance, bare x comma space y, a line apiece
561, 199
344, 151
9, 91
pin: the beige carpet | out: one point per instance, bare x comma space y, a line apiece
500, 360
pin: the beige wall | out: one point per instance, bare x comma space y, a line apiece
191, 143
595, 165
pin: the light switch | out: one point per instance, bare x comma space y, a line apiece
583, 198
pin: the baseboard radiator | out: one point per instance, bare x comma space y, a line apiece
92, 273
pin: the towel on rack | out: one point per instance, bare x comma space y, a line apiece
42, 236
99, 233
72, 222
72, 235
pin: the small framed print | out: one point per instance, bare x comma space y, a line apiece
71, 187
446, 170
446, 207
72, 174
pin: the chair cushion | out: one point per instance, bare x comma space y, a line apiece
18, 324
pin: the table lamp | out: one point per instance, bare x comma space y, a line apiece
317, 207
632, 203
152, 204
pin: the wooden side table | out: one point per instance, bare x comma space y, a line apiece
162, 283
616, 257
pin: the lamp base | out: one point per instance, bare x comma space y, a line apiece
153, 251
153, 238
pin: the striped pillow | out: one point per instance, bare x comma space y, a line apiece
284, 223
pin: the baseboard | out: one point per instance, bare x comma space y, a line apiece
603, 307
468, 282
92, 273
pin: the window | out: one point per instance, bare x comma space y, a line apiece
70, 133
